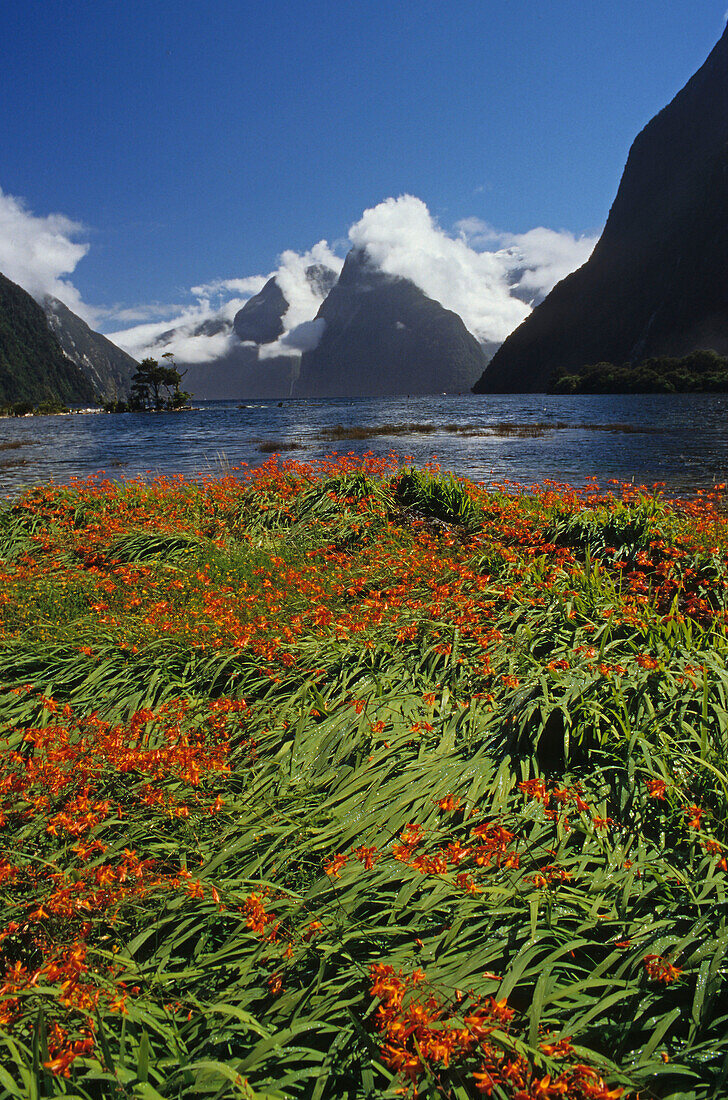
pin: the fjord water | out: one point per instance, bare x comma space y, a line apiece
678, 439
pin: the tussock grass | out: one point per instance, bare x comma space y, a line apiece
276, 446
331, 780
533, 430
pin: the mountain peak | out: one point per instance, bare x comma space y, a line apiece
383, 335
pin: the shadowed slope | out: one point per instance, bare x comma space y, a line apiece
32, 365
384, 335
656, 281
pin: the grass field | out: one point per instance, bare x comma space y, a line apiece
350, 780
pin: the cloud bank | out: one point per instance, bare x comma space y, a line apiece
486, 285
490, 278
38, 252
301, 331
202, 330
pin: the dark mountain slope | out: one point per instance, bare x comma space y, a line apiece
241, 374
383, 335
32, 364
261, 318
657, 281
107, 367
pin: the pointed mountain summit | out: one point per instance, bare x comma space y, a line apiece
107, 367
242, 370
657, 281
383, 335
261, 318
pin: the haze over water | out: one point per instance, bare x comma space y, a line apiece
681, 439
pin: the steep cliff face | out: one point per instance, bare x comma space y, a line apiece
383, 335
261, 318
657, 281
107, 367
32, 365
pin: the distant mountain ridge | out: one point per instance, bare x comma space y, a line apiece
657, 281
383, 335
33, 367
244, 370
374, 334
107, 367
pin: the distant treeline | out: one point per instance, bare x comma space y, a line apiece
699, 372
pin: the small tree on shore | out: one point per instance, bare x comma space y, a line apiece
156, 386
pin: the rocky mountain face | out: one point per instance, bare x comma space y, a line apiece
657, 281
242, 371
33, 367
383, 335
261, 318
107, 367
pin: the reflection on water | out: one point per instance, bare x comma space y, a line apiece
679, 439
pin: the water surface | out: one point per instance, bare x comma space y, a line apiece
679, 439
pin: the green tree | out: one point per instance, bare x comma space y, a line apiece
156, 386
179, 398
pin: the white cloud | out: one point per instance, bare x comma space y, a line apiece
305, 337
538, 259
301, 331
184, 340
38, 252
464, 272
215, 303
491, 278
243, 287
302, 297
151, 311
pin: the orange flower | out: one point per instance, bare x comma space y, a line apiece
660, 970
367, 856
484, 1082
561, 1049
332, 867
275, 985
534, 788
656, 788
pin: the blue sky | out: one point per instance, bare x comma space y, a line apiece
197, 141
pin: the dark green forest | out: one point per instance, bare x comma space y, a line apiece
699, 372
32, 365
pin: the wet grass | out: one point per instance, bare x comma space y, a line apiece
14, 444
278, 446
